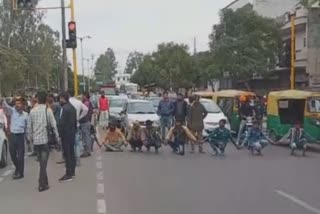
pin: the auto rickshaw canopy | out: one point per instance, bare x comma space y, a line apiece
275, 96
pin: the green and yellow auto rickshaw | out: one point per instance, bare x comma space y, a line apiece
285, 108
228, 101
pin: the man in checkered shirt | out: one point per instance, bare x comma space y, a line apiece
40, 118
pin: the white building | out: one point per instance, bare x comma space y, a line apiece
238, 4
122, 78
273, 8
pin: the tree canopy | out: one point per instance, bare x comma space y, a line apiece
30, 52
106, 66
133, 62
244, 43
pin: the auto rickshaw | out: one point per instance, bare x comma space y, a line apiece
205, 94
228, 101
285, 108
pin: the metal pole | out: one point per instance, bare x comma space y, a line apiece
82, 62
74, 56
293, 51
88, 64
64, 70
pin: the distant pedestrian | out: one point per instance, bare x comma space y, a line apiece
180, 109
85, 126
103, 111
197, 113
82, 111
165, 111
55, 107
67, 127
18, 126
40, 122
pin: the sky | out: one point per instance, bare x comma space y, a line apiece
138, 25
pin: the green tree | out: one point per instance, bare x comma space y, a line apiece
174, 65
133, 62
29, 50
145, 73
106, 66
310, 3
244, 44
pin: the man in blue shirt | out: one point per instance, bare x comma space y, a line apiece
255, 139
165, 111
18, 125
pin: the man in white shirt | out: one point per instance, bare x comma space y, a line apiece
82, 111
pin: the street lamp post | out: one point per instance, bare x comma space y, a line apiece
82, 60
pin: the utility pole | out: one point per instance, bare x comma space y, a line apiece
64, 70
82, 65
293, 51
195, 46
88, 65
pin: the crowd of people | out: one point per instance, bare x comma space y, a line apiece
66, 122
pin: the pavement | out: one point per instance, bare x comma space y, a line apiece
146, 183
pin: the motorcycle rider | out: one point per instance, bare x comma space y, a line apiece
219, 138
245, 110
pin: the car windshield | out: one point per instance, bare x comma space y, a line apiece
155, 101
140, 108
117, 103
210, 106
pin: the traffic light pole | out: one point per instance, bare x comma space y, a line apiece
293, 52
74, 55
82, 64
64, 73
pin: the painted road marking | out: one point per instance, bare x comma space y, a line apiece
100, 176
298, 202
100, 188
99, 165
101, 206
8, 172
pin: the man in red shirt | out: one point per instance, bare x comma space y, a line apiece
104, 111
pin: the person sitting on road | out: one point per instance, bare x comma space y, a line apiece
177, 137
298, 139
219, 138
255, 139
151, 137
114, 139
135, 137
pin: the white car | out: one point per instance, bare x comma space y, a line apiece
141, 111
4, 147
214, 115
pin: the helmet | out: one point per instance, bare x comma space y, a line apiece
243, 98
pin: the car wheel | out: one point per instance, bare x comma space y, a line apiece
4, 156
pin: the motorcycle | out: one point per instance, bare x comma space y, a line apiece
246, 129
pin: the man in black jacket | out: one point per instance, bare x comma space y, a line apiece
180, 108
67, 130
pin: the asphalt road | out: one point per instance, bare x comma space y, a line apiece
145, 183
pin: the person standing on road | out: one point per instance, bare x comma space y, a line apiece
165, 111
85, 126
197, 113
103, 111
180, 109
55, 107
40, 121
67, 127
18, 126
82, 111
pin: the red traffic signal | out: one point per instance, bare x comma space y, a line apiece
72, 26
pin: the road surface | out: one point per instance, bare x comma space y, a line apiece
145, 183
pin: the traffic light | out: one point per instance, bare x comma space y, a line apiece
72, 42
24, 4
